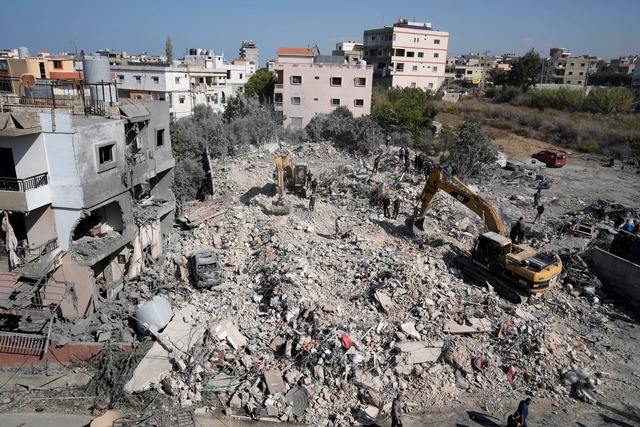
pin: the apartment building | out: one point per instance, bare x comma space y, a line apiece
85, 198
351, 51
408, 54
564, 69
308, 85
249, 51
201, 78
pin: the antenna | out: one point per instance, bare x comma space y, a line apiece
28, 80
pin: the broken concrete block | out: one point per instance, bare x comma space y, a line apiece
274, 382
227, 330
409, 328
385, 301
236, 401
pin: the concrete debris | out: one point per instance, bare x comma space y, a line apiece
273, 342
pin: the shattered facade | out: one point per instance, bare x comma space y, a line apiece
88, 198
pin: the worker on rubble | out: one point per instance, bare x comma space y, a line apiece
523, 409
513, 420
627, 225
396, 207
617, 223
539, 215
338, 226
314, 185
376, 163
396, 411
636, 227
312, 202
386, 202
536, 198
309, 178
517, 231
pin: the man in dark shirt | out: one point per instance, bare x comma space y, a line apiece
396, 411
523, 409
513, 420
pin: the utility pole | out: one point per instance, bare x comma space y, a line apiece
484, 63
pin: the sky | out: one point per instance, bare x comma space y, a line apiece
587, 27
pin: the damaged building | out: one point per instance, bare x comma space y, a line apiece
85, 199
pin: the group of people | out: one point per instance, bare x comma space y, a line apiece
386, 203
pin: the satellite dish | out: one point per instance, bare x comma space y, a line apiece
28, 80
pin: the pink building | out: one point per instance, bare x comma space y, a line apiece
409, 54
309, 85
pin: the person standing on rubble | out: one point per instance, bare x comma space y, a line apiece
314, 185
376, 163
536, 198
523, 409
539, 215
396, 207
386, 201
627, 225
312, 202
513, 420
338, 226
396, 411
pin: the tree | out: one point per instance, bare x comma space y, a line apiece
407, 110
168, 50
261, 84
471, 152
524, 72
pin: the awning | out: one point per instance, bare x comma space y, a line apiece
134, 113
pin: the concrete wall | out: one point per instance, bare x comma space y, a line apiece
619, 276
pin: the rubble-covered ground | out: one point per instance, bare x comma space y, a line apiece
326, 329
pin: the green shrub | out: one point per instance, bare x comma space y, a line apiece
610, 100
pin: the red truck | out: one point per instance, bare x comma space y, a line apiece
552, 158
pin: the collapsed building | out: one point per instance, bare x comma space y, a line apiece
85, 199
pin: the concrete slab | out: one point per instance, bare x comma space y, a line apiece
274, 382
182, 332
478, 325
227, 330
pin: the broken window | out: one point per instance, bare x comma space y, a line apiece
159, 137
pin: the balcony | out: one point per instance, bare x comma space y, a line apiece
36, 260
24, 195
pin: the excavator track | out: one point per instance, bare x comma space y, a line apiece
481, 277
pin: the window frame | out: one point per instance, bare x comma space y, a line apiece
106, 156
335, 81
294, 98
334, 103
361, 103
160, 137
296, 80
360, 81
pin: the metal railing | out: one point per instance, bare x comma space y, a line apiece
18, 184
32, 254
180, 418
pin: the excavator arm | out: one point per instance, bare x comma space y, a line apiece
281, 207
459, 191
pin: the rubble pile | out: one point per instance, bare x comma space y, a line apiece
317, 328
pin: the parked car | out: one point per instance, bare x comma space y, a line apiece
605, 208
526, 163
552, 158
206, 268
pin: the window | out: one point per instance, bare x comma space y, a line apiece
335, 102
43, 73
138, 78
296, 122
435, 69
420, 54
106, 156
469, 72
410, 54
414, 68
360, 81
317, 77
277, 98
413, 84
159, 137
399, 52
182, 99
315, 99
4, 66
372, 52
336, 81
581, 73
416, 39
570, 73
400, 67
295, 100
296, 80
436, 41
57, 64
436, 55
121, 77
430, 85
177, 80
358, 102
156, 79
240, 76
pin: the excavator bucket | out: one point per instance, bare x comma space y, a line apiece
416, 226
281, 208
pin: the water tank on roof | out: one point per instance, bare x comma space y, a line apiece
362, 64
193, 51
96, 69
97, 74
23, 52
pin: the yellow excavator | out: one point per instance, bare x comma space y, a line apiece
291, 178
514, 270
